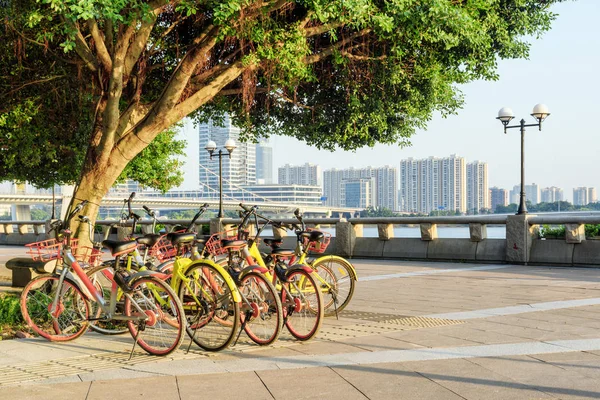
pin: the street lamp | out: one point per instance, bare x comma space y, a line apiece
211, 146
505, 115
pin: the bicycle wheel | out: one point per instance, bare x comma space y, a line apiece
263, 316
213, 315
302, 305
338, 285
102, 277
67, 321
162, 331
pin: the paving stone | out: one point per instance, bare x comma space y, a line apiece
71, 391
314, 383
243, 385
159, 388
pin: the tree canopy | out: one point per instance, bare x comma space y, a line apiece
96, 81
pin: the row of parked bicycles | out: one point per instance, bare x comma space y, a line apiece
159, 287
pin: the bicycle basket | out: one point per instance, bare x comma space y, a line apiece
317, 247
89, 255
213, 244
47, 250
163, 249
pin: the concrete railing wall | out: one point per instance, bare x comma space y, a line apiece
522, 244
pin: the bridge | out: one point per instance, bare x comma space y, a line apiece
22, 203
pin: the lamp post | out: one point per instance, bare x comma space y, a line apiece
211, 146
505, 115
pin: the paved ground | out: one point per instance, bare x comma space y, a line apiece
413, 331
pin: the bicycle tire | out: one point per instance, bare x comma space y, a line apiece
72, 315
265, 316
103, 282
162, 332
303, 312
213, 315
341, 283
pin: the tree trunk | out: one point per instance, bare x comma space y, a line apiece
95, 182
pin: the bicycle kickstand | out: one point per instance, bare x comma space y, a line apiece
195, 330
248, 315
141, 327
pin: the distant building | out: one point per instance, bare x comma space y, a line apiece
532, 194
478, 194
238, 171
433, 184
264, 163
552, 194
383, 190
498, 197
307, 174
295, 194
357, 192
583, 196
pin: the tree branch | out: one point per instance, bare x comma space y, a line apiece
138, 45
101, 50
329, 50
317, 30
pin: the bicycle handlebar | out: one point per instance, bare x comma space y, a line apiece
198, 214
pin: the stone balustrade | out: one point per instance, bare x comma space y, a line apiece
522, 244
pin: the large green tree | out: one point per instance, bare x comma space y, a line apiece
345, 73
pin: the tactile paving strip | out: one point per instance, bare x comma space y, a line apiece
422, 322
369, 316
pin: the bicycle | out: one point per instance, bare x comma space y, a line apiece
57, 305
302, 304
337, 275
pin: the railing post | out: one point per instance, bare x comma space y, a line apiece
216, 225
385, 231
8, 229
123, 232
477, 232
519, 237
345, 237
428, 231
574, 233
23, 229
279, 233
147, 229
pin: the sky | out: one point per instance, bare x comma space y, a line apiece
563, 72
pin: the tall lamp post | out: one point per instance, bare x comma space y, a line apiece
505, 115
211, 146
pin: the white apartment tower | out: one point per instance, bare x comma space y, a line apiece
264, 162
552, 194
583, 196
238, 171
382, 191
478, 193
432, 184
307, 174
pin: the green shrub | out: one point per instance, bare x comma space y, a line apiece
552, 231
592, 230
10, 310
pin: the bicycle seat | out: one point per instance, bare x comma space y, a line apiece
233, 244
181, 238
312, 236
272, 242
148, 240
117, 248
282, 252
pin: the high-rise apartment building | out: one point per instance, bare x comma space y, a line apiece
238, 170
584, 195
383, 191
498, 197
478, 194
532, 194
307, 174
264, 163
551, 194
433, 184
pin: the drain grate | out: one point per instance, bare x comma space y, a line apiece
422, 322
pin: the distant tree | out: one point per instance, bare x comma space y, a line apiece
509, 209
377, 212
